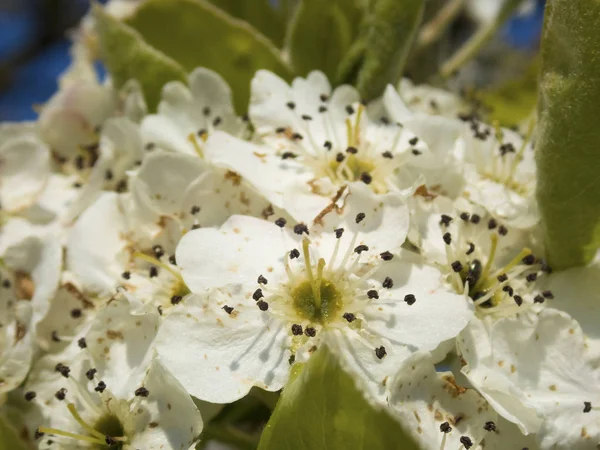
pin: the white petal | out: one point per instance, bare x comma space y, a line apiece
395, 106
508, 436
176, 422
438, 314
24, 167
16, 342
237, 253
424, 399
161, 131
96, 243
210, 89
231, 352
118, 343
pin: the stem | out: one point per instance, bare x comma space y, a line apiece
229, 435
433, 29
481, 37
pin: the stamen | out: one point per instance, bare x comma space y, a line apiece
79, 437
156, 262
83, 423
194, 142
488, 264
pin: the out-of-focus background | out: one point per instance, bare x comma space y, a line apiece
34, 47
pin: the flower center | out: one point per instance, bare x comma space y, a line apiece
110, 425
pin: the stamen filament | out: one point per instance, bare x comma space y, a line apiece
194, 142
515, 261
488, 264
349, 133
357, 124
443, 446
307, 264
320, 267
83, 423
156, 262
80, 437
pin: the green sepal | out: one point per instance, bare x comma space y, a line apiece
321, 408
568, 142
127, 56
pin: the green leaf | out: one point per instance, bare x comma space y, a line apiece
378, 55
269, 19
9, 438
568, 143
321, 408
320, 34
127, 56
196, 33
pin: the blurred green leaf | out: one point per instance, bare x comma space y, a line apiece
263, 15
127, 56
196, 33
513, 101
321, 408
378, 54
568, 143
320, 34
9, 438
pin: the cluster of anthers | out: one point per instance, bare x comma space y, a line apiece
356, 157
472, 252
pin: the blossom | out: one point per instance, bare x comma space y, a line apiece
267, 295
312, 140
427, 99
536, 370
107, 388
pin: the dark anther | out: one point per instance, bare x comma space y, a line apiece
38, 434
100, 386
410, 299
176, 299
82, 343
90, 374
372, 294
528, 260
518, 299
538, 299
360, 249
280, 130
227, 309
338, 232
150, 146
310, 332
173, 260
288, 155
502, 277
447, 238
110, 441
290, 105
258, 294
141, 392
158, 251
475, 218
445, 427
416, 152
349, 109
546, 268
75, 313
297, 329
262, 280
297, 137
126, 275
202, 132
388, 283
300, 228
359, 217
62, 369
328, 145
322, 109
294, 254
471, 248
587, 407
306, 117
352, 150
195, 209
292, 359
339, 157
159, 309
108, 175
502, 230
456, 266
206, 111
466, 441
280, 222
548, 294
54, 336
366, 178
531, 277
324, 97
386, 256
30, 395
387, 154
380, 352
262, 305
489, 426
445, 220
465, 216
384, 120
153, 272
413, 141
60, 394
492, 224
349, 317
509, 290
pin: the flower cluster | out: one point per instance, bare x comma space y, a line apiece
155, 263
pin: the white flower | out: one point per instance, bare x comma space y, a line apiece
439, 412
539, 364
313, 141
24, 166
427, 99
276, 294
576, 292
107, 389
186, 116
